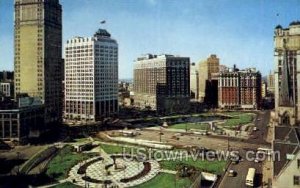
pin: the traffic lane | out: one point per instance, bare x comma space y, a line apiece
261, 123
239, 181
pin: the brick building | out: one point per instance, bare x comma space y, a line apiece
239, 89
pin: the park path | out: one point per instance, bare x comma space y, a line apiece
168, 171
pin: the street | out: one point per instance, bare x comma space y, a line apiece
241, 168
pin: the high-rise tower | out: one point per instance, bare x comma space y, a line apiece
287, 77
91, 77
38, 53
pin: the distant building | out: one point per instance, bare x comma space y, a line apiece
239, 89
222, 68
22, 120
7, 89
162, 83
287, 74
271, 83
7, 83
6, 76
38, 53
91, 77
124, 94
194, 81
206, 69
263, 89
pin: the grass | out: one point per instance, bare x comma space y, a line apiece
60, 165
240, 119
165, 180
215, 167
201, 126
115, 149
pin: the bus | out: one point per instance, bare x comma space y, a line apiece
250, 177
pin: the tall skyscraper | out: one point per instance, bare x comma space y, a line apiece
287, 73
91, 77
206, 69
38, 53
162, 83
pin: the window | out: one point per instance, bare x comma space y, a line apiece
296, 180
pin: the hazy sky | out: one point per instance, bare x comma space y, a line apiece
238, 31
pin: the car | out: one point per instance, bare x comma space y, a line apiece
257, 160
232, 173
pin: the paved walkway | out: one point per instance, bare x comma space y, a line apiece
128, 169
168, 171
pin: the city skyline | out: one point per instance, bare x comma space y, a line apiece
153, 26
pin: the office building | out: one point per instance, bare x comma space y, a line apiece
162, 83
21, 120
287, 73
206, 69
91, 77
239, 89
38, 53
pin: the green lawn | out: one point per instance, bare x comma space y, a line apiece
164, 180
60, 165
201, 126
240, 119
110, 149
215, 167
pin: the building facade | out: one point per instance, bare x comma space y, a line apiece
264, 89
7, 89
287, 73
19, 121
162, 83
206, 69
194, 81
38, 53
239, 89
271, 84
91, 77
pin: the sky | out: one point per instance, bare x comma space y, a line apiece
239, 31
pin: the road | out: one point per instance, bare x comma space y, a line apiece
242, 168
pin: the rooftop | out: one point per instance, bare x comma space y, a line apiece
102, 33
287, 142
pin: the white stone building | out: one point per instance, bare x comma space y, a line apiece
91, 77
286, 73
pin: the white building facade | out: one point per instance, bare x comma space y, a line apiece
91, 77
